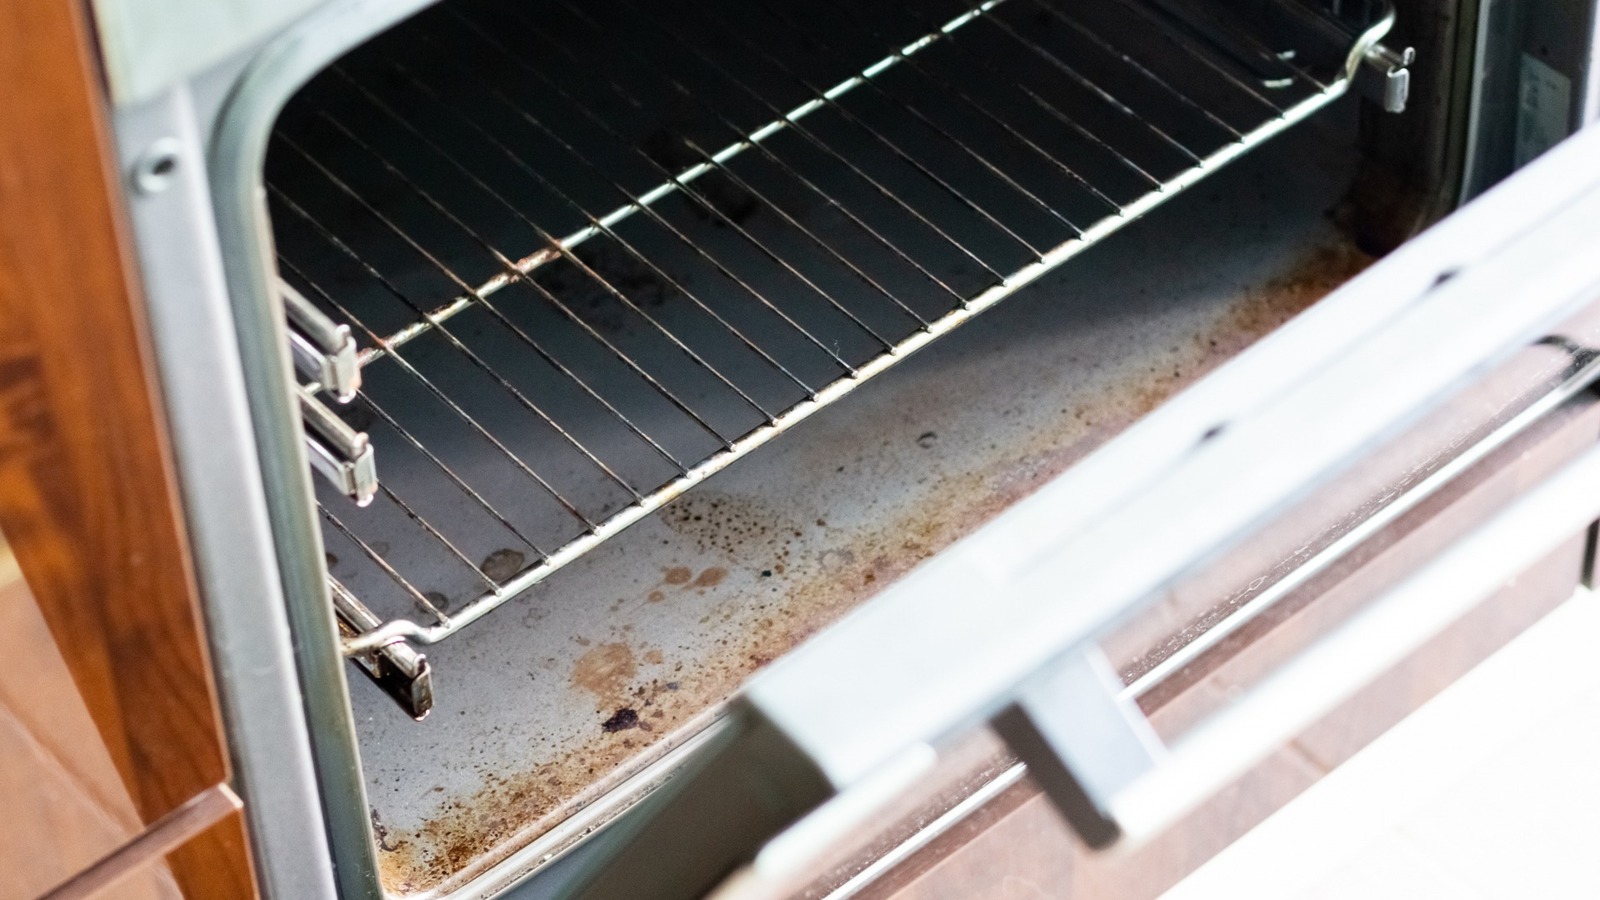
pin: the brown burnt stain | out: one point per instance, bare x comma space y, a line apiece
605, 671
621, 720
711, 577
476, 830
842, 579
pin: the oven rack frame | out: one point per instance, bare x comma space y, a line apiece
382, 646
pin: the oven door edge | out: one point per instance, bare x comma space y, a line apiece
221, 344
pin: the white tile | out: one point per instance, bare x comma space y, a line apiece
1527, 822
1392, 867
1440, 755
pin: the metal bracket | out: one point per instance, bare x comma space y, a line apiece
324, 351
338, 452
1082, 742
396, 668
1383, 76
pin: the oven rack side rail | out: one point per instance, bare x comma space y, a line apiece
901, 120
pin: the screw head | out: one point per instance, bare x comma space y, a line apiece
156, 167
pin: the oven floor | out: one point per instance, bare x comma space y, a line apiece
562, 695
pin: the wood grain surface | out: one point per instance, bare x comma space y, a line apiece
87, 493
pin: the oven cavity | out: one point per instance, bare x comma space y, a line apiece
558, 263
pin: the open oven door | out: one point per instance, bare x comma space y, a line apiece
1006, 629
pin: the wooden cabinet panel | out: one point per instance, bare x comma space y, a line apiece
86, 491
66, 806
65, 801
200, 868
107, 714
215, 863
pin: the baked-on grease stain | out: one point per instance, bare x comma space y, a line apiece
502, 564
621, 720
711, 577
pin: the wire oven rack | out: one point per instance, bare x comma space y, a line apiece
594, 253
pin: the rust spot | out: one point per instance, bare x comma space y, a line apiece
1308, 280
678, 575
605, 671
711, 577
621, 720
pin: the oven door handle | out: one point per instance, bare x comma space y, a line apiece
1096, 756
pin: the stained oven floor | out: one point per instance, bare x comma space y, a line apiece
562, 695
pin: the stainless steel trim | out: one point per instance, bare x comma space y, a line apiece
247, 103
215, 451
1295, 695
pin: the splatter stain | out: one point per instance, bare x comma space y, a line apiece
605, 671
502, 564
653, 657
711, 577
678, 575
655, 597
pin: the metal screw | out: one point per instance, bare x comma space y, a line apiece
153, 173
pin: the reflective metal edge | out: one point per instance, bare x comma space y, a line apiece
215, 447
247, 106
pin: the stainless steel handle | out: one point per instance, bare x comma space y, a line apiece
1138, 793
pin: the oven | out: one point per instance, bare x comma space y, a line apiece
601, 478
